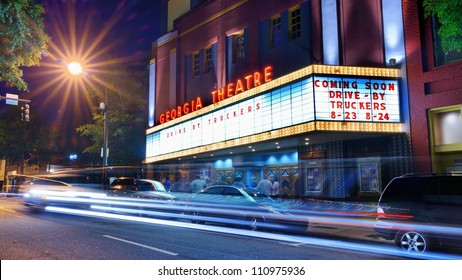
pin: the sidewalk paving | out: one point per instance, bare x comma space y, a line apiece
323, 205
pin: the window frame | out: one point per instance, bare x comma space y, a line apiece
238, 51
440, 57
208, 59
195, 62
276, 30
295, 23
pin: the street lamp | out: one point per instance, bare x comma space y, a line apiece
103, 107
75, 68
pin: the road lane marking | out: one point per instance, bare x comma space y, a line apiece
142, 245
292, 244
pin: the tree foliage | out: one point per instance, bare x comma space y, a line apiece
21, 140
449, 15
126, 121
22, 39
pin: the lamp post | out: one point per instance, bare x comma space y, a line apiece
103, 107
75, 68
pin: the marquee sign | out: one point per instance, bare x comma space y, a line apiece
353, 99
316, 97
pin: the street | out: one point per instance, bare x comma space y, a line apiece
30, 235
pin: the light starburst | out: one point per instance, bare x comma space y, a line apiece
79, 57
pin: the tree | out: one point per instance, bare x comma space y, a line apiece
449, 15
21, 140
126, 110
22, 39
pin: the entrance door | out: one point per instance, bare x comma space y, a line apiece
288, 179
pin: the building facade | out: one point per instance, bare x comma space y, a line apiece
314, 93
435, 93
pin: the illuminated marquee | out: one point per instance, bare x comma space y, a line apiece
353, 99
313, 98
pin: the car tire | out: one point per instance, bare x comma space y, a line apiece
412, 242
255, 223
196, 221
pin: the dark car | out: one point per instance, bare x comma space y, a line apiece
228, 204
421, 211
139, 188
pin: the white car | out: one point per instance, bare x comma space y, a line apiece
60, 190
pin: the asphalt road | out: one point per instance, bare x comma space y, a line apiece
28, 235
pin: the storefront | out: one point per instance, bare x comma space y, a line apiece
446, 138
324, 131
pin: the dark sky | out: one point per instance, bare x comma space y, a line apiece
127, 26
100, 31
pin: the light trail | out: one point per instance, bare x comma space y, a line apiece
345, 245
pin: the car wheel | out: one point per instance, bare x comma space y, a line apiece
412, 242
255, 222
196, 221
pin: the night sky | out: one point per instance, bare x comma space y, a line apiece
100, 30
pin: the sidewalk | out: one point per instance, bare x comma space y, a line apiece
322, 205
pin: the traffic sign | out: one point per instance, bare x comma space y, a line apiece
11, 99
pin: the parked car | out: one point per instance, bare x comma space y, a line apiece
227, 204
420, 212
139, 188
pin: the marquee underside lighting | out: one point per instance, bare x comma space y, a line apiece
316, 126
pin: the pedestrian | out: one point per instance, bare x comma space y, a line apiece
238, 182
264, 186
198, 184
167, 183
275, 187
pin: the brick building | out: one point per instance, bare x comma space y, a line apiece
312, 92
435, 94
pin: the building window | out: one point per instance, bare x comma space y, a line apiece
442, 57
276, 31
196, 64
208, 63
238, 47
295, 24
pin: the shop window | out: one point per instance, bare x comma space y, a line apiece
445, 123
314, 182
208, 60
295, 24
442, 57
238, 47
369, 175
276, 31
196, 64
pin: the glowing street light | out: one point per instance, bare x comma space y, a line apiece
75, 68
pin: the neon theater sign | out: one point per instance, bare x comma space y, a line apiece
240, 85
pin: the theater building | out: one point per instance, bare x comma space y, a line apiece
312, 92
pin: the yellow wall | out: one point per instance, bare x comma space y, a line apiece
176, 8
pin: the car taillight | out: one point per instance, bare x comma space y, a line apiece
380, 211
